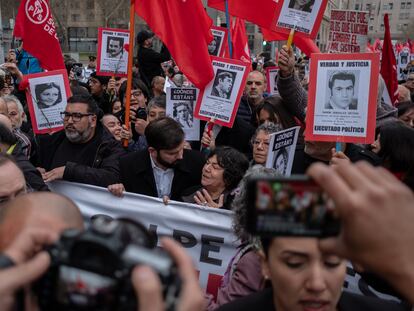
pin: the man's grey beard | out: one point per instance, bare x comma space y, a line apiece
76, 137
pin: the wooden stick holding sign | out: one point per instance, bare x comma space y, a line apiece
290, 38
130, 59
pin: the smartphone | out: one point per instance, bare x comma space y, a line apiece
290, 206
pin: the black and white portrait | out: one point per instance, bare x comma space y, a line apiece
223, 84
183, 113
281, 161
47, 95
301, 5
342, 87
114, 47
214, 46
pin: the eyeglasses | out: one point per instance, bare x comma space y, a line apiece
262, 142
76, 116
136, 93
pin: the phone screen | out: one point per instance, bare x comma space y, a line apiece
292, 206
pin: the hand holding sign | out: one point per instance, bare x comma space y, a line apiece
286, 61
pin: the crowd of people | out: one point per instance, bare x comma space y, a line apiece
371, 185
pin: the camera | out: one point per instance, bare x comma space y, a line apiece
91, 270
289, 206
78, 71
140, 113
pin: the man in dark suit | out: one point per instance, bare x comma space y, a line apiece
342, 85
165, 169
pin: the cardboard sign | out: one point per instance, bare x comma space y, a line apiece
218, 45
282, 147
342, 98
47, 96
348, 31
220, 98
180, 107
112, 57
271, 76
403, 59
305, 16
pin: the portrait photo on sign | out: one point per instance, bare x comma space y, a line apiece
216, 46
302, 15
183, 113
271, 75
47, 97
342, 97
220, 98
342, 89
112, 54
223, 84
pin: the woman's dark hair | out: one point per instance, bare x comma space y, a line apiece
278, 114
137, 84
404, 107
7, 136
234, 164
397, 146
164, 134
45, 86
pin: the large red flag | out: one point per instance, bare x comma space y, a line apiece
306, 45
239, 40
184, 27
389, 64
36, 27
259, 12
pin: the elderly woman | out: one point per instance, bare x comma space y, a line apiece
261, 140
221, 174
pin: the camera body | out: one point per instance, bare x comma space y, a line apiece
141, 113
78, 71
91, 270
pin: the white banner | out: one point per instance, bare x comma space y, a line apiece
206, 233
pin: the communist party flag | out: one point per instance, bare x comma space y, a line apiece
36, 27
184, 27
239, 41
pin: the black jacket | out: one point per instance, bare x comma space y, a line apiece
149, 62
102, 170
263, 301
34, 180
137, 175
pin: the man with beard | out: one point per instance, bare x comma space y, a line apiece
165, 169
84, 151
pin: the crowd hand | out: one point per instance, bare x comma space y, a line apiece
165, 199
111, 86
208, 140
56, 173
148, 287
41, 170
117, 189
132, 115
71, 77
11, 56
126, 133
140, 125
377, 213
286, 61
13, 69
203, 198
30, 263
338, 157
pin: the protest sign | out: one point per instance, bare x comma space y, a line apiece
220, 98
271, 75
112, 57
46, 97
218, 45
180, 107
204, 232
282, 148
304, 16
348, 31
342, 98
403, 59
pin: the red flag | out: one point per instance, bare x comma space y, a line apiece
306, 45
36, 27
377, 45
184, 27
388, 64
239, 40
249, 10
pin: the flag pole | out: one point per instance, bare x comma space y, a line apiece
130, 60
228, 22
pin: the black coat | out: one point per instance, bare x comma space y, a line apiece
149, 62
137, 175
102, 170
263, 301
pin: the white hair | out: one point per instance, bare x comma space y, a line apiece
14, 99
